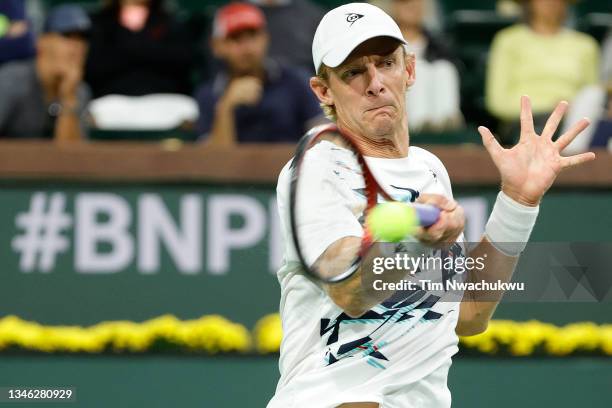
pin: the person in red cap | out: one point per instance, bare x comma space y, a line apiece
253, 98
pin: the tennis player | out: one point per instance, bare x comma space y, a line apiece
350, 347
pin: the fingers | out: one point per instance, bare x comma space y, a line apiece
438, 200
571, 161
489, 142
571, 134
554, 119
446, 229
526, 118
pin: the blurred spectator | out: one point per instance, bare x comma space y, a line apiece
16, 36
541, 58
433, 101
291, 26
255, 99
602, 136
594, 102
138, 48
46, 97
606, 59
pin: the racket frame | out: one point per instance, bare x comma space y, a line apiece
371, 187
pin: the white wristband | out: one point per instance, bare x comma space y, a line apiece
510, 225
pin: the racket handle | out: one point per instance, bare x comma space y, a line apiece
428, 214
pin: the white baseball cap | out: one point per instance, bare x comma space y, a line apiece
342, 29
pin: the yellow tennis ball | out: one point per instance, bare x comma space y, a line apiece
392, 221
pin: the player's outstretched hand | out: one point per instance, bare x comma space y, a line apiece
529, 168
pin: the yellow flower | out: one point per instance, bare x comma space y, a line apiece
214, 334
268, 334
209, 333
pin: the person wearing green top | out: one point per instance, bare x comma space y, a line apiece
541, 58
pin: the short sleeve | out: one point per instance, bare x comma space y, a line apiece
324, 213
436, 164
445, 178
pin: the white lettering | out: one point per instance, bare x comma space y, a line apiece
156, 226
89, 232
221, 238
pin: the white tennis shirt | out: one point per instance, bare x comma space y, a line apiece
398, 353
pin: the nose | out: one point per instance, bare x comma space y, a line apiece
375, 85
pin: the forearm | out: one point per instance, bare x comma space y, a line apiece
506, 235
477, 307
223, 131
350, 295
357, 294
68, 124
527, 171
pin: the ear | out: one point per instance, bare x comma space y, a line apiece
266, 37
321, 90
410, 62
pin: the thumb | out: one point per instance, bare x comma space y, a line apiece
437, 200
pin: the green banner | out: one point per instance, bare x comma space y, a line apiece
79, 254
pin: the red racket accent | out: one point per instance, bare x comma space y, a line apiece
372, 188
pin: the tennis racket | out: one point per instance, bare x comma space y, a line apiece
355, 189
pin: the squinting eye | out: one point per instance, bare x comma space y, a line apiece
389, 62
350, 73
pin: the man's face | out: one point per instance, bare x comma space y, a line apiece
244, 52
409, 12
59, 50
369, 89
549, 9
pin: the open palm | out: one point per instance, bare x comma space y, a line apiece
529, 168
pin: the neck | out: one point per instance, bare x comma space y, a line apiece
412, 33
545, 26
388, 146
